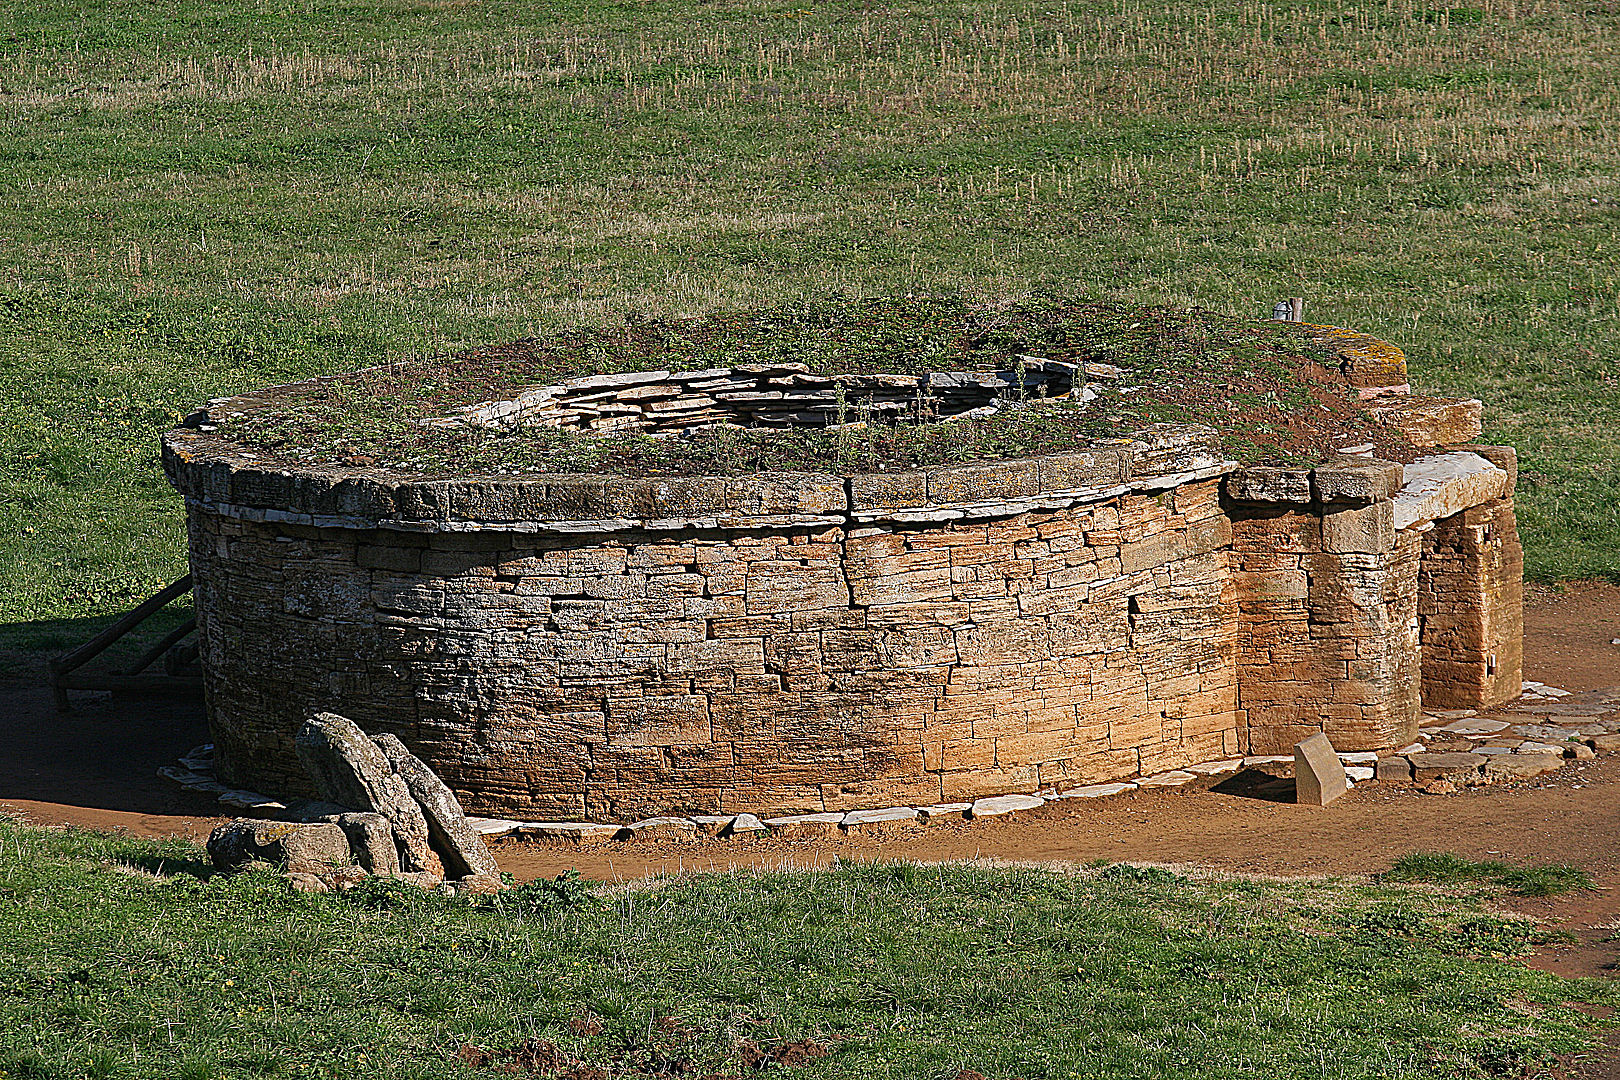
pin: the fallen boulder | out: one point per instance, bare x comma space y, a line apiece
459, 847
314, 848
350, 770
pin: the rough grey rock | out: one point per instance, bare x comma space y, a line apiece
573, 832
371, 838
1319, 775
350, 769
880, 822
459, 846
296, 847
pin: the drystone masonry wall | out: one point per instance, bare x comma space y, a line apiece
611, 648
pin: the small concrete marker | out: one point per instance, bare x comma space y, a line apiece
1319, 775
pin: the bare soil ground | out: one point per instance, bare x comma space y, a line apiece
96, 768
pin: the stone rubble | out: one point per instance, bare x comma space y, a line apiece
383, 813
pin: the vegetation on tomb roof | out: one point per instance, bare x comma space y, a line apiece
1262, 385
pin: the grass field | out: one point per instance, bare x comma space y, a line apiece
892, 970
198, 198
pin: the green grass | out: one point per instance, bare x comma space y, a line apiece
123, 958
1447, 869
198, 199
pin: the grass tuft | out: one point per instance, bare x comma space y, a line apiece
1448, 869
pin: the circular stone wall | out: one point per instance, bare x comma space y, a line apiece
610, 648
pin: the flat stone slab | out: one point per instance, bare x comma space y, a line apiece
1414, 748
805, 826
1476, 725
1216, 768
1490, 751
1359, 757
1606, 742
944, 811
1005, 804
572, 832
1539, 748
1441, 485
1174, 778
662, 828
1521, 766
879, 822
1358, 773
1546, 732
1319, 775
1268, 759
493, 826
1447, 766
1098, 791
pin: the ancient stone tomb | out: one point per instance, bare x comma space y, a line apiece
612, 647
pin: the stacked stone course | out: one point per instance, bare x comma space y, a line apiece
612, 649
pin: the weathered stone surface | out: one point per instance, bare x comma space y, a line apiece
1445, 484
459, 847
1004, 804
350, 770
662, 828
299, 848
1356, 480
479, 885
1521, 766
805, 826
1432, 421
1606, 742
880, 822
1319, 775
1450, 766
569, 832
745, 825
1098, 791
1263, 484
1173, 778
1393, 769
1366, 530
371, 838
1216, 768
944, 811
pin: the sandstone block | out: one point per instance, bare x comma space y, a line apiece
1366, 530
1319, 775
1394, 769
1356, 480
371, 838
1456, 767
1264, 484
1521, 766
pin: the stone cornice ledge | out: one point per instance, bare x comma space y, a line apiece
225, 480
